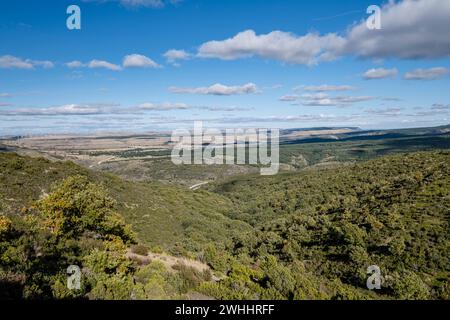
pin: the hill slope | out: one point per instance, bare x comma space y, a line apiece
162, 215
392, 212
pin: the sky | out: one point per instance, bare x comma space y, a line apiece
150, 65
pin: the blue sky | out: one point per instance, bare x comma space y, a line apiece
143, 65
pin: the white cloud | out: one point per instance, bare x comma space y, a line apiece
218, 90
129, 61
225, 109
321, 97
110, 109
75, 64
139, 61
5, 95
103, 64
77, 109
66, 109
174, 55
380, 73
427, 74
11, 62
143, 3
163, 106
134, 3
278, 45
411, 29
323, 100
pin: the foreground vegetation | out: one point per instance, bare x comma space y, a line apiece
298, 235
76, 225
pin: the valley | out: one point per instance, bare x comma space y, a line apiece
309, 232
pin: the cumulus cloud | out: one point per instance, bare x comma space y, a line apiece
75, 64
174, 55
278, 45
218, 90
139, 61
12, 62
129, 61
411, 29
427, 74
380, 73
103, 64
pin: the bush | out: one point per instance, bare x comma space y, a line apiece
139, 249
5, 225
408, 286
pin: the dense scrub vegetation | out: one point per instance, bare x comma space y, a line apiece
76, 225
162, 215
392, 212
301, 235
351, 147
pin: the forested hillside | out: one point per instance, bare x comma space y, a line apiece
163, 215
300, 235
392, 212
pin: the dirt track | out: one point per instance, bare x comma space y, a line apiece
170, 261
